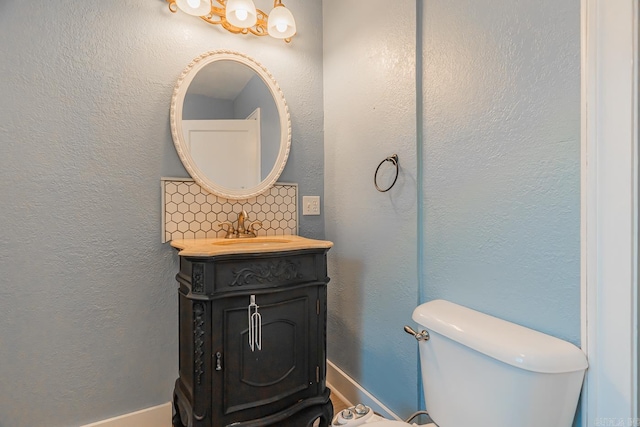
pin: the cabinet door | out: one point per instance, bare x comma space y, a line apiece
284, 370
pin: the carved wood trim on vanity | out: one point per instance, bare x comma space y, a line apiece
198, 278
198, 340
266, 272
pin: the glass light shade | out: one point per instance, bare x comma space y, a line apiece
281, 24
195, 7
241, 13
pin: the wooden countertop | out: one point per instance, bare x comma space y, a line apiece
260, 244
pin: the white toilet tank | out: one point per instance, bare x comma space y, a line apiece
478, 370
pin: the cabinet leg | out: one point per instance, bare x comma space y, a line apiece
176, 420
327, 415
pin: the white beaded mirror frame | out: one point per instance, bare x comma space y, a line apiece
182, 146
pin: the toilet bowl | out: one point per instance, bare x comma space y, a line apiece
478, 370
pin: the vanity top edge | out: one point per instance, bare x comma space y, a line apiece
260, 244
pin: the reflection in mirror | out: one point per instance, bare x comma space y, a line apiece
230, 124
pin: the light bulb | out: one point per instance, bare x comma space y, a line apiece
242, 14
281, 24
195, 7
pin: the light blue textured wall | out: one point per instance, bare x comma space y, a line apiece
500, 194
502, 159
88, 302
370, 113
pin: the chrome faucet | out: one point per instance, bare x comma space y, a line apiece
241, 231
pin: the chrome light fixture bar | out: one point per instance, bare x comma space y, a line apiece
241, 16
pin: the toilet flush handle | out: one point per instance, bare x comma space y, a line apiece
420, 336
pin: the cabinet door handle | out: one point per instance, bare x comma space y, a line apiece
218, 361
255, 325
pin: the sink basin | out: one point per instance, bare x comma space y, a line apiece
251, 241
261, 244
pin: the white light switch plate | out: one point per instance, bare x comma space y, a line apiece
310, 205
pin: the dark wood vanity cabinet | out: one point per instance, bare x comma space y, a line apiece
281, 382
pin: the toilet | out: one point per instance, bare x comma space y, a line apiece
478, 370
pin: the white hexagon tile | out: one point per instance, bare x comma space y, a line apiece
189, 211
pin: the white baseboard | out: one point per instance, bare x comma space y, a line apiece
157, 416
349, 391
343, 386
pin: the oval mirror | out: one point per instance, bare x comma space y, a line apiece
230, 124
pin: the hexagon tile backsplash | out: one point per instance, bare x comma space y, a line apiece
189, 211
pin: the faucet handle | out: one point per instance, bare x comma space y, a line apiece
252, 227
229, 229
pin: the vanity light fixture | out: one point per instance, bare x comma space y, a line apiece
241, 16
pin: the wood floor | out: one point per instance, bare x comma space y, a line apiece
338, 405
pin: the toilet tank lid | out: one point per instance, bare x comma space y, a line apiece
505, 341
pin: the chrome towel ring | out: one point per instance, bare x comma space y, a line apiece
393, 159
